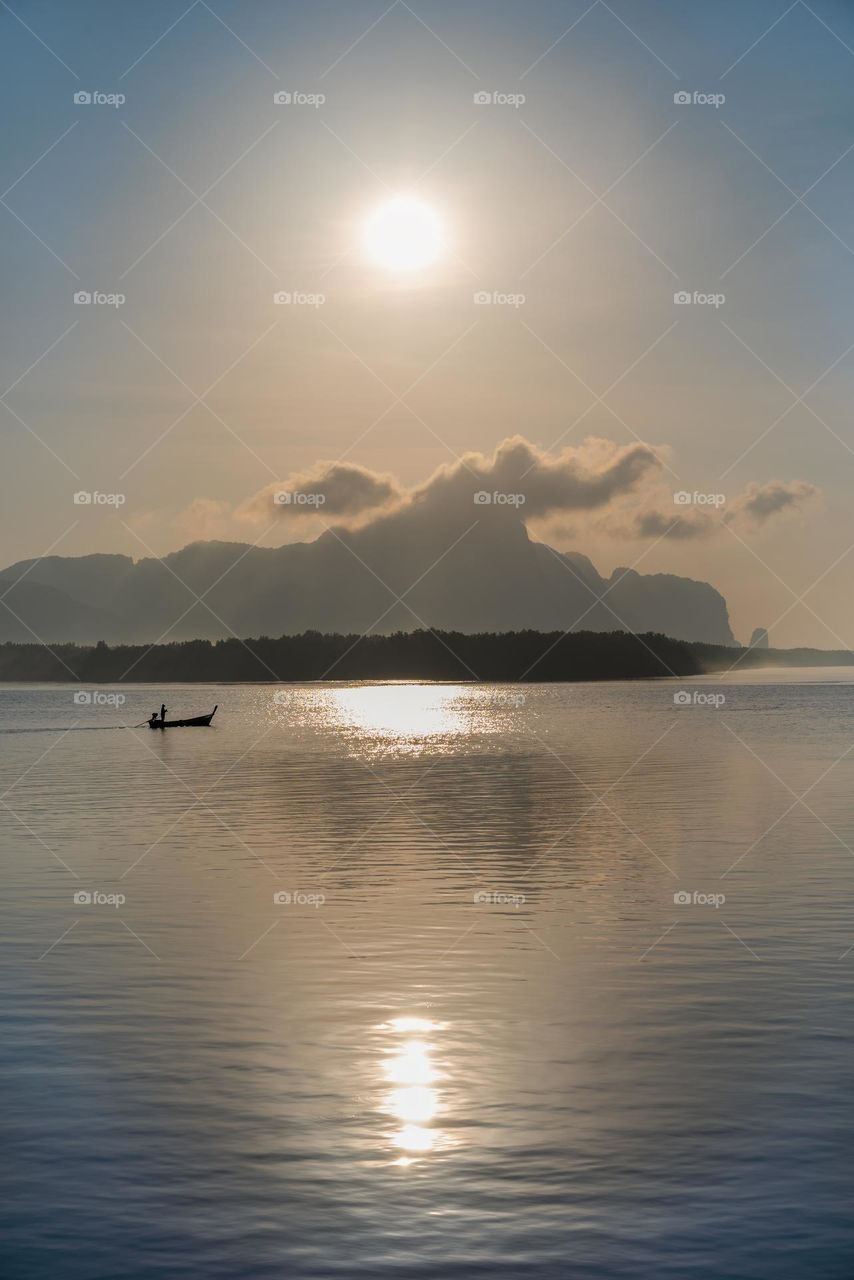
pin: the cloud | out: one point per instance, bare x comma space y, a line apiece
338, 491
756, 507
762, 502
579, 478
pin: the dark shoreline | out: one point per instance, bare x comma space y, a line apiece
417, 655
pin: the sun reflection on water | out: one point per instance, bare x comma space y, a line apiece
414, 1102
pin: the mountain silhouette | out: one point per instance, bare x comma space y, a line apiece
401, 572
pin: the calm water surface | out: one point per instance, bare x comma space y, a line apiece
424, 980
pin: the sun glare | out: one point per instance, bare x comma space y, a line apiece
403, 235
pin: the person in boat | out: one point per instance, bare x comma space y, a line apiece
158, 720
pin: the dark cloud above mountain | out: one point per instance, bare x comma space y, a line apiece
518, 477
337, 491
762, 502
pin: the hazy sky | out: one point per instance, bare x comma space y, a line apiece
199, 197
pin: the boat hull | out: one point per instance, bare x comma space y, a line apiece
195, 722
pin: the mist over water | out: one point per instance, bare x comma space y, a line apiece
429, 980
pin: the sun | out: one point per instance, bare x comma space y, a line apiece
403, 235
